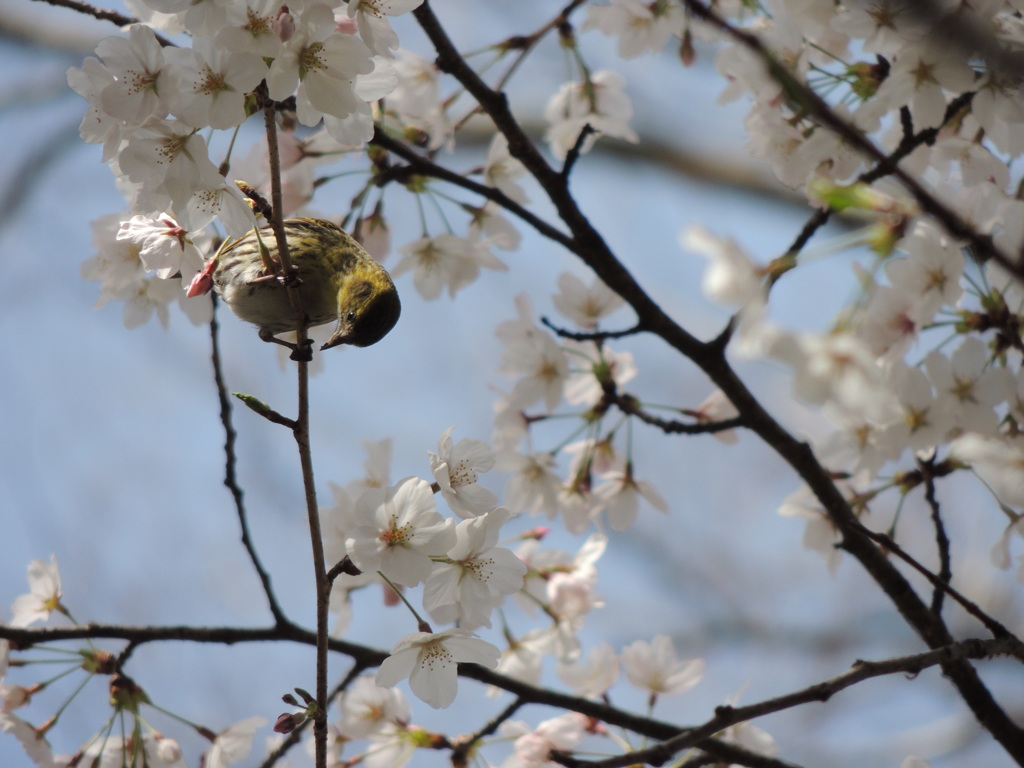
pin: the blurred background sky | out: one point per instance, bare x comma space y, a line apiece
111, 448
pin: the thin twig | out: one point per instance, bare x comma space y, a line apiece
886, 541
597, 336
726, 716
230, 465
945, 574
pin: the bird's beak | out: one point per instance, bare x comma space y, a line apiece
340, 336
343, 335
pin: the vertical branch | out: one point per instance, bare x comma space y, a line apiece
301, 432
323, 584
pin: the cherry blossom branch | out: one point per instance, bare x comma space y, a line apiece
880, 170
302, 355
726, 716
673, 739
593, 250
230, 464
819, 109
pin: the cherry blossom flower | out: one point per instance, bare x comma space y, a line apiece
366, 708
531, 353
997, 461
654, 667
455, 467
837, 368
523, 659
44, 595
820, 534
356, 128
997, 106
416, 101
233, 744
98, 126
199, 17
533, 486
371, 20
931, 272
718, 407
430, 661
116, 752
582, 304
169, 162
213, 83
399, 529
476, 574
35, 746
640, 26
731, 277
600, 102
593, 676
891, 322
593, 365
164, 247
222, 201
918, 79
749, 737
319, 64
533, 747
144, 85
502, 171
922, 422
976, 162
393, 747
444, 261
571, 595
490, 227
885, 26
251, 29
966, 388
619, 497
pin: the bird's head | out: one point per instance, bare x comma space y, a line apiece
368, 306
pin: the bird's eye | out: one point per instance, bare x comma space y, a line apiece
351, 317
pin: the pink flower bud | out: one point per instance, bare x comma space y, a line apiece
284, 24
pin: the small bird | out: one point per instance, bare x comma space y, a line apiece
337, 280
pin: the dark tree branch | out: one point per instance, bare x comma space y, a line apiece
726, 716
